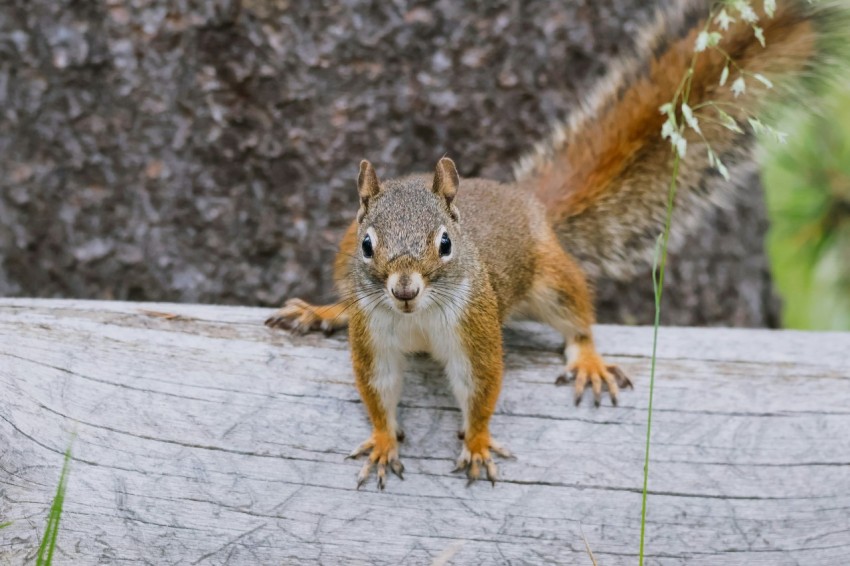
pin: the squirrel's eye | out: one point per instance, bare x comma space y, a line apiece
368, 252
445, 245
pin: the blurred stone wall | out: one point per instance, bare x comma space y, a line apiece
206, 151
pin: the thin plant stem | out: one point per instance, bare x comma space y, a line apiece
658, 286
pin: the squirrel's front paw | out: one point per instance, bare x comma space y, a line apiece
593, 368
384, 453
475, 457
301, 317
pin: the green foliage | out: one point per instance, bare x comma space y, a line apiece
4, 525
48, 541
807, 185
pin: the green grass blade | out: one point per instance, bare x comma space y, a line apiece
658, 268
48, 541
4, 525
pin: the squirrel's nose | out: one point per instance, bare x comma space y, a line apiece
405, 293
405, 286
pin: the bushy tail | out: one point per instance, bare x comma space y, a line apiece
605, 173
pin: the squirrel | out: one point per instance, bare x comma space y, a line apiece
435, 263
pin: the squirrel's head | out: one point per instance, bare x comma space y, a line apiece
410, 247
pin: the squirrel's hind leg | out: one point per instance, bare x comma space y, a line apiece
300, 316
561, 298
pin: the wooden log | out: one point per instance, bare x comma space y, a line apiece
206, 438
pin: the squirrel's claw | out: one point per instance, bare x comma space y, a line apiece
398, 468
363, 475
462, 460
363, 448
566, 378
501, 450
621, 377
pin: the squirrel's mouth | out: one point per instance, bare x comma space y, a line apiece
406, 307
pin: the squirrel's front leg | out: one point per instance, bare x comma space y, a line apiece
378, 373
475, 371
301, 316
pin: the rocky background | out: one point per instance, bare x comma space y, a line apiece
206, 151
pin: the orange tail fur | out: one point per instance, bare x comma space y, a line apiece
605, 173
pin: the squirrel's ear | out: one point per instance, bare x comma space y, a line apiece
446, 182
367, 186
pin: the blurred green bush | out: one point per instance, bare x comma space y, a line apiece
807, 184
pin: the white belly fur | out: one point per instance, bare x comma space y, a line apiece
432, 330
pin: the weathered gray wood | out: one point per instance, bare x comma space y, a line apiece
208, 438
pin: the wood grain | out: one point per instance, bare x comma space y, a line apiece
201, 437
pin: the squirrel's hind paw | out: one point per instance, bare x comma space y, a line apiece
597, 373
